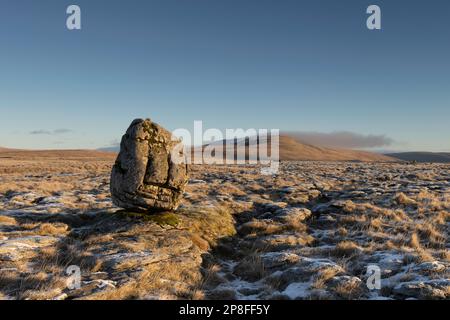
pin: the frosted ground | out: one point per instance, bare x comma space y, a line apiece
307, 233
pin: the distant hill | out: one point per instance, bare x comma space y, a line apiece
110, 149
293, 149
442, 157
19, 154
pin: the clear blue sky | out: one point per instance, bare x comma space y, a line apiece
294, 65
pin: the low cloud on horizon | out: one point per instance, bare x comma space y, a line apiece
50, 132
342, 139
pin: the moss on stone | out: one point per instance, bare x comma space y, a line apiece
165, 219
162, 219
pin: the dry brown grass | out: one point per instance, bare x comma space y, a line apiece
52, 229
376, 223
201, 243
294, 224
260, 227
402, 199
210, 224
323, 276
445, 255
42, 187
168, 276
341, 231
222, 294
433, 237
349, 206
353, 220
251, 268
39, 285
409, 223
166, 279
422, 254
349, 291
211, 276
346, 249
7, 220
44, 162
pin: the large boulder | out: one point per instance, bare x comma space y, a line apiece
150, 172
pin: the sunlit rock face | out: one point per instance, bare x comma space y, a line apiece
150, 172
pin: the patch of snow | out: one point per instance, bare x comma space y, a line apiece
298, 290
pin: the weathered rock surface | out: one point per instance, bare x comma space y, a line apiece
429, 289
150, 172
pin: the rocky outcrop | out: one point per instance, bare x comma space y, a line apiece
150, 172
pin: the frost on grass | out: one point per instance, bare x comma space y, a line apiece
307, 233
